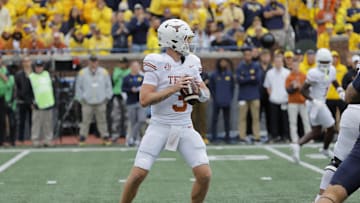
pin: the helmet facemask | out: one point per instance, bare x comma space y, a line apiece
324, 66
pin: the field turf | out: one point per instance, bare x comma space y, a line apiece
96, 174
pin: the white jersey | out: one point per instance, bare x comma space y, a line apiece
320, 82
162, 71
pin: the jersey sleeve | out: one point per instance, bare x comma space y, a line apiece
198, 68
311, 77
151, 69
151, 63
150, 78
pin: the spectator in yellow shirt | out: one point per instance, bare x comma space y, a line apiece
88, 7
354, 38
308, 61
333, 100
69, 6
193, 12
232, 12
324, 38
73, 21
152, 42
100, 44
79, 44
256, 23
101, 15
52, 7
43, 30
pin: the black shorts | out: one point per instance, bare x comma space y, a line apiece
348, 173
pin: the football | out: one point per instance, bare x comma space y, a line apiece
191, 93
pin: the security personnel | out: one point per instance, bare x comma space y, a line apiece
118, 110
93, 91
43, 103
10, 103
3, 83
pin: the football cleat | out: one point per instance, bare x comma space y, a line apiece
326, 152
296, 152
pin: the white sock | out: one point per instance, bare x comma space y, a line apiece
325, 180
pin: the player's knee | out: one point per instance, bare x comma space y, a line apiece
138, 175
204, 176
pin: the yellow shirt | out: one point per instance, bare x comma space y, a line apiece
95, 45
354, 42
341, 70
68, 4
230, 14
82, 47
102, 18
53, 8
251, 31
304, 66
88, 6
152, 42
200, 15
323, 41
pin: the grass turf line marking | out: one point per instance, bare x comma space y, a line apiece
12, 161
290, 159
125, 149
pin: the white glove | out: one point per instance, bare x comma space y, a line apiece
341, 93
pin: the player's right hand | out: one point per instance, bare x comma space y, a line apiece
182, 82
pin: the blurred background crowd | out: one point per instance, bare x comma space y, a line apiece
251, 97
104, 26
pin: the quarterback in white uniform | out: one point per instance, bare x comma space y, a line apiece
314, 90
171, 126
348, 133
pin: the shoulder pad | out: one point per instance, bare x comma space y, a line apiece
194, 61
153, 62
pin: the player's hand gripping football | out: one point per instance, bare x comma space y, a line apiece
190, 91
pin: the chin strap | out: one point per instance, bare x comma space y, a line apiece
204, 95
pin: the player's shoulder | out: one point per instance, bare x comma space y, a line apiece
153, 62
193, 57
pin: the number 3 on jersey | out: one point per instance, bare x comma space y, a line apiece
182, 107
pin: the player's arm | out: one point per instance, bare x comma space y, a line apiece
305, 91
339, 89
149, 95
204, 92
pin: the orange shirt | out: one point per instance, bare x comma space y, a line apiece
295, 97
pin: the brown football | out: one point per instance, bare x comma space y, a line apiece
191, 93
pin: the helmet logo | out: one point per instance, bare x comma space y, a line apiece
176, 27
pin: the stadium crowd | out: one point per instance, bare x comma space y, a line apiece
112, 26
268, 80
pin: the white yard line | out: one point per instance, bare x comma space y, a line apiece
125, 149
290, 159
12, 161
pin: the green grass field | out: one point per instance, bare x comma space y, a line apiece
95, 175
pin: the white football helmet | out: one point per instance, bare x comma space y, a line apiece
175, 34
323, 59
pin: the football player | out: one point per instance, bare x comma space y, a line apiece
346, 179
171, 126
348, 133
314, 90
